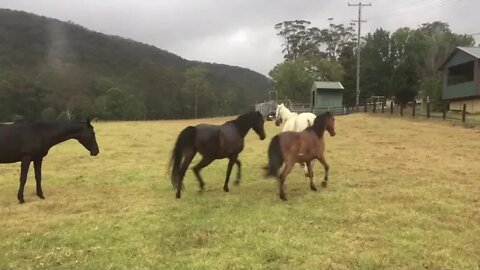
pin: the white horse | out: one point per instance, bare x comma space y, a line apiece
293, 121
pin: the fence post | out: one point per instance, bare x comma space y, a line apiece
374, 105
428, 109
383, 106
365, 108
464, 113
401, 109
391, 107
414, 107
444, 112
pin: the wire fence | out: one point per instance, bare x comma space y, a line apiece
269, 108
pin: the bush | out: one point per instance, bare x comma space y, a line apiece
17, 117
63, 116
49, 114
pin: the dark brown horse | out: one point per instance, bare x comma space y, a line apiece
30, 141
212, 142
288, 148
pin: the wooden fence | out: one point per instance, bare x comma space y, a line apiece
422, 110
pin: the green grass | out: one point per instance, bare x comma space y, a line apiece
403, 194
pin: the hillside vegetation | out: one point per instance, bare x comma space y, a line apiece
51, 68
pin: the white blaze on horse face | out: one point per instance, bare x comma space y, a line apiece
278, 110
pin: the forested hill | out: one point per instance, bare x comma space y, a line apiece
51, 69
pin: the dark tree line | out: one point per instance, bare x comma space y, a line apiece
403, 64
51, 69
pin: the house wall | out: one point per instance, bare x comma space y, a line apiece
473, 105
466, 89
328, 98
477, 76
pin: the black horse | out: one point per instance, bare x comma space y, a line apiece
30, 141
212, 142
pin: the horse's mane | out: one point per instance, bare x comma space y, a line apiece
319, 124
245, 118
288, 110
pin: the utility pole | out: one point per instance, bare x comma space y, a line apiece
359, 22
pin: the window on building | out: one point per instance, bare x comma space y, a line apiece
460, 73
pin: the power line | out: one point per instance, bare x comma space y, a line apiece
359, 22
413, 8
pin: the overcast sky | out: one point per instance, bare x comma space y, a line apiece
240, 32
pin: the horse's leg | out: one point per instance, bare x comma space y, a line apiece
188, 157
283, 177
305, 168
231, 161
202, 164
327, 168
37, 165
310, 175
23, 179
239, 172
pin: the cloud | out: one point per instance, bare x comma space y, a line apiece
240, 32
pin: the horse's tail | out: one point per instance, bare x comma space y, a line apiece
186, 139
275, 157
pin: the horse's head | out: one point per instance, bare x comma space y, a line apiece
278, 116
87, 138
330, 125
325, 121
258, 125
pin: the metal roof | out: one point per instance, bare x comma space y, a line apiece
473, 51
328, 85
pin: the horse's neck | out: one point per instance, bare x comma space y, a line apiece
287, 114
318, 133
62, 132
242, 126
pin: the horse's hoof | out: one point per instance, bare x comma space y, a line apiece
283, 198
324, 184
21, 201
178, 195
237, 182
226, 189
314, 188
41, 196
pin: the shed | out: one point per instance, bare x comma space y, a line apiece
461, 79
326, 95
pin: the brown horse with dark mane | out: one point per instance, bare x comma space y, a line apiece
212, 142
30, 141
288, 148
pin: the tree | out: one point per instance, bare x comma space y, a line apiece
310, 54
302, 41
348, 62
292, 81
297, 38
377, 64
196, 86
119, 105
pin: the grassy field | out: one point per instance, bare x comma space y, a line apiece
403, 194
